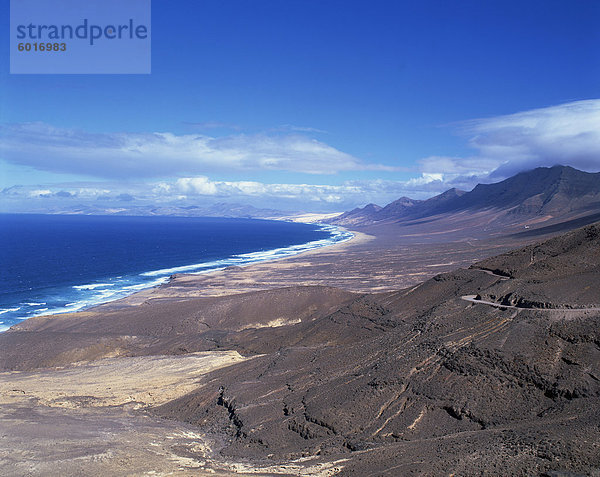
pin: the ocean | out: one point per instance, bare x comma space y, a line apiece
64, 263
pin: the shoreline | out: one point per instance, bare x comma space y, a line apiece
187, 280
163, 281
368, 261
181, 379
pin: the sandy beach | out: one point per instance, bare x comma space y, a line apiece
145, 385
86, 385
300, 238
366, 263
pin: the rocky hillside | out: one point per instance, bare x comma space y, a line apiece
543, 192
490, 370
423, 379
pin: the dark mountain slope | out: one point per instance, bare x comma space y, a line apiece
427, 380
424, 379
563, 269
558, 191
358, 215
160, 327
543, 190
398, 207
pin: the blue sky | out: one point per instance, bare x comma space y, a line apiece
313, 105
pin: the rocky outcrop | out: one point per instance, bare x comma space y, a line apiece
417, 380
419, 375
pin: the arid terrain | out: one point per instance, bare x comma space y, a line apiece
300, 238
296, 367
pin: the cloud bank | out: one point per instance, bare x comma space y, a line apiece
201, 190
567, 134
145, 155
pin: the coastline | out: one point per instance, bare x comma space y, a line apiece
163, 381
189, 285
373, 262
245, 260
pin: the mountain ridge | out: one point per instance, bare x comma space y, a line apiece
545, 191
499, 361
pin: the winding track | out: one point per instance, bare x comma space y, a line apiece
473, 299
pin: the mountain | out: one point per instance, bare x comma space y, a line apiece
553, 190
398, 207
546, 193
489, 370
358, 215
421, 380
435, 204
222, 209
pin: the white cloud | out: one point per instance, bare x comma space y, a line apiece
212, 125
291, 127
203, 186
131, 155
201, 190
567, 134
426, 178
39, 193
196, 185
454, 166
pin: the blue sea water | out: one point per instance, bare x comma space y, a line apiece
64, 263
